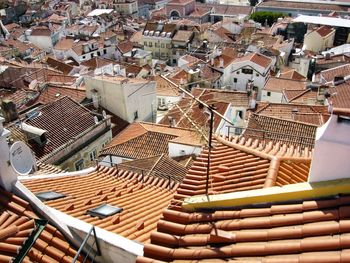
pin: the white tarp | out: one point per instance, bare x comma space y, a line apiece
98, 12
324, 20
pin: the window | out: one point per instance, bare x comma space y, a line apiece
247, 71
104, 211
235, 80
237, 72
145, 44
136, 115
49, 195
268, 93
79, 165
93, 155
162, 45
168, 46
150, 44
105, 51
257, 74
156, 44
238, 131
239, 113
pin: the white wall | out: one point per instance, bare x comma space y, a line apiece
43, 42
332, 150
275, 97
124, 99
106, 161
176, 149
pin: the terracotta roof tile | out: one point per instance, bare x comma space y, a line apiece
280, 84
301, 96
17, 225
141, 198
292, 74
63, 119
256, 58
281, 130
187, 114
328, 75
141, 140
298, 231
324, 31
182, 36
341, 99
157, 166
317, 114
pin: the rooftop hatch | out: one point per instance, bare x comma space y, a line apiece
49, 195
104, 210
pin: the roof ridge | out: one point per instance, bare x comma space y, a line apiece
300, 94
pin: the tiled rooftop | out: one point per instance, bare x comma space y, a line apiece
256, 58
141, 140
142, 199
187, 114
63, 119
298, 231
239, 164
279, 84
328, 75
316, 114
17, 225
281, 130
341, 97
158, 166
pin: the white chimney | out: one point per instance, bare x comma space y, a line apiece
7, 175
332, 148
221, 65
95, 98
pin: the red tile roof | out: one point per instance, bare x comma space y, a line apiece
281, 130
319, 114
298, 231
280, 84
187, 114
157, 166
256, 58
63, 119
303, 5
329, 74
17, 225
292, 74
142, 199
52, 93
341, 97
324, 31
141, 140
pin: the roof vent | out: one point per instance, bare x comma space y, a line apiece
295, 110
104, 211
49, 195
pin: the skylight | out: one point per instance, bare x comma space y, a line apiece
49, 195
104, 210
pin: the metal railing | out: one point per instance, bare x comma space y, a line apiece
94, 253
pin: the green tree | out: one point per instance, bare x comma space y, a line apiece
253, 2
266, 17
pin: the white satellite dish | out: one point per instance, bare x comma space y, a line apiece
21, 158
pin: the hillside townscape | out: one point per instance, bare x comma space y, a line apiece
149, 131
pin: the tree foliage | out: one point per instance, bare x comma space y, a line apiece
253, 2
266, 17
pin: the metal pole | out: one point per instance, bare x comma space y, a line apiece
209, 147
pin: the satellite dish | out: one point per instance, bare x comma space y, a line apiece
21, 158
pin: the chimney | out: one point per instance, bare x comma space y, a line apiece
221, 65
7, 175
9, 109
86, 48
35, 134
95, 98
332, 148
